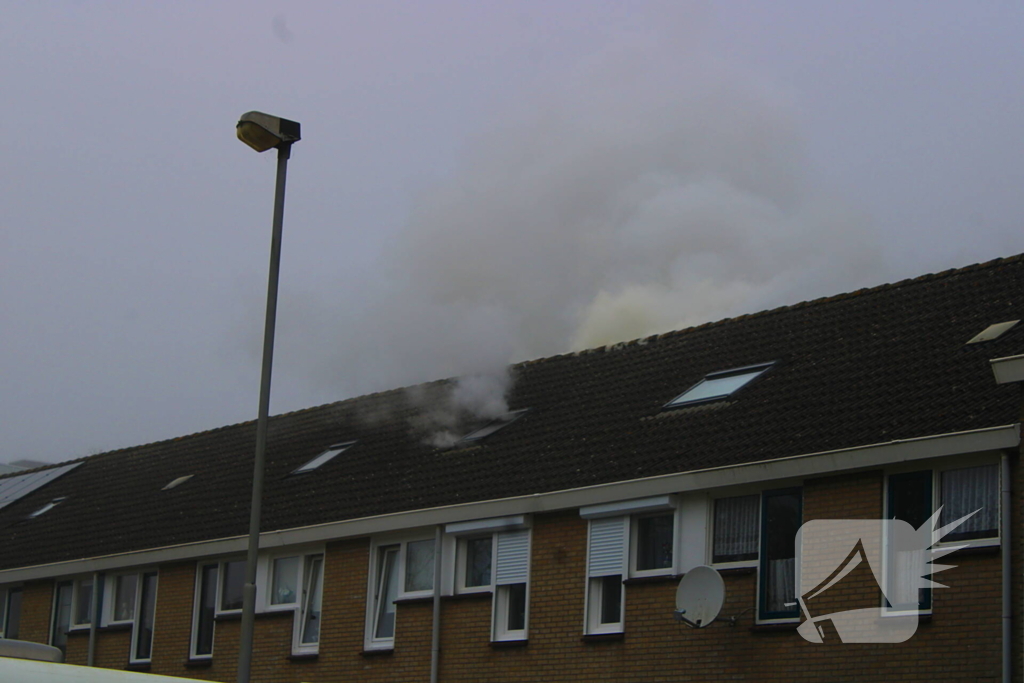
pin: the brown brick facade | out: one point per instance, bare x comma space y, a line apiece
959, 642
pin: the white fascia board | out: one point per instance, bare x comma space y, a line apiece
1009, 369
492, 524
627, 507
991, 439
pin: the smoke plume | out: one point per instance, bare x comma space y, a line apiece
647, 189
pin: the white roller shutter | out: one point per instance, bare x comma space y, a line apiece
512, 564
608, 546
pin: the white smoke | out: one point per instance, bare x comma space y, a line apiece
648, 189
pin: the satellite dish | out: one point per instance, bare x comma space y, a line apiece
699, 597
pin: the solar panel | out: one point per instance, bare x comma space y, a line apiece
15, 488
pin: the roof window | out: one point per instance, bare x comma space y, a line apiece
177, 482
326, 456
993, 332
46, 508
492, 426
718, 385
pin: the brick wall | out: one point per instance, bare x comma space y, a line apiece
960, 642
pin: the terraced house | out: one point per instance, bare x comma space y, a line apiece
547, 545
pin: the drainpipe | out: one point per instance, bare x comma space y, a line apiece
435, 632
97, 589
1006, 552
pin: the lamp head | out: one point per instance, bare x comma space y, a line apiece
263, 131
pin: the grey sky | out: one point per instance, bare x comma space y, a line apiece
478, 182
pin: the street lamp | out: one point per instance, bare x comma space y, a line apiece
262, 132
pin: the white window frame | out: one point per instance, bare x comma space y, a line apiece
612, 530
634, 541
217, 611
137, 621
5, 606
502, 563
80, 625
370, 642
108, 605
265, 578
461, 555
196, 607
938, 468
710, 554
55, 611
627, 512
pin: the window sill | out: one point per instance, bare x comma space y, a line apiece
508, 644
657, 578
200, 663
383, 652
113, 628
775, 628
138, 666
303, 657
975, 550
228, 616
736, 571
603, 637
269, 615
475, 595
415, 601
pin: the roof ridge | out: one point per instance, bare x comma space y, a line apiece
863, 291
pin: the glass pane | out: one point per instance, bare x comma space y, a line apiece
967, 490
736, 529
13, 625
207, 610
654, 542
124, 597
419, 566
611, 599
312, 600
62, 616
516, 607
716, 387
910, 497
144, 628
284, 589
231, 585
782, 514
478, 561
387, 592
83, 603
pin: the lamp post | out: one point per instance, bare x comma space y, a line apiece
262, 132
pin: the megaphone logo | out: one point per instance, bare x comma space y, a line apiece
866, 581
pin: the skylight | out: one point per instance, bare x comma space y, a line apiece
718, 385
15, 488
177, 482
46, 508
993, 332
493, 426
324, 457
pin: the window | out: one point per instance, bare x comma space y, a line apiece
60, 624
637, 537
511, 576
399, 570
324, 457
81, 615
605, 569
46, 508
218, 590
718, 385
781, 518
913, 497
970, 490
493, 426
652, 540
10, 613
142, 634
498, 561
735, 529
296, 584
124, 593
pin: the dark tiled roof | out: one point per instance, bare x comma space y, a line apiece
867, 367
